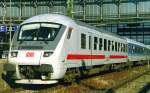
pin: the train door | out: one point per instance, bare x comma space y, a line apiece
95, 50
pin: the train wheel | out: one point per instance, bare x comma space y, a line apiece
84, 72
69, 76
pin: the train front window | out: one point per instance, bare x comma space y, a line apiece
39, 31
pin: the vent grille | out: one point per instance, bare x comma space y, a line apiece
30, 47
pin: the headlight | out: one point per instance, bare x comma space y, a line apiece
47, 54
14, 54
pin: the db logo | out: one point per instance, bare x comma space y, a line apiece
30, 54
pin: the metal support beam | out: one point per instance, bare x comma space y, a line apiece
4, 11
118, 4
101, 10
137, 11
10, 26
50, 5
84, 9
35, 5
20, 9
70, 8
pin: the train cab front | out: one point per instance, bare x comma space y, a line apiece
32, 57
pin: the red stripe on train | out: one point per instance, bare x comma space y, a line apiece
117, 56
84, 56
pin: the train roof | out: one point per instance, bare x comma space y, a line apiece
61, 19
97, 29
55, 18
135, 42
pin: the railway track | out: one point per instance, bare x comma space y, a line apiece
113, 81
130, 79
101, 83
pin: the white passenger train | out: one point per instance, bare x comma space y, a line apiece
46, 46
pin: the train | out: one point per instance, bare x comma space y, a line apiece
50, 47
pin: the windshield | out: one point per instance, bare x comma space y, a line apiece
39, 31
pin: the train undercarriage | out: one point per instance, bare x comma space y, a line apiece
42, 74
29, 74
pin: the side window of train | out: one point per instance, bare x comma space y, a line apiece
95, 43
100, 43
83, 41
105, 44
109, 45
69, 33
116, 46
124, 48
112, 45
